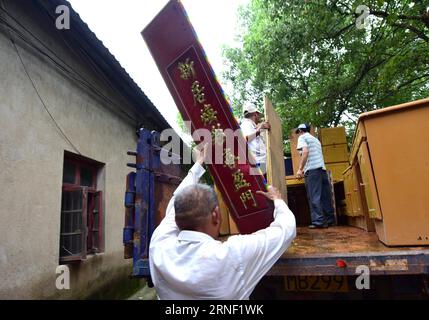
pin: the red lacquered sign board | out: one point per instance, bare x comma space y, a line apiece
180, 58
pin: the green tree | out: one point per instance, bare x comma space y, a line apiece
316, 64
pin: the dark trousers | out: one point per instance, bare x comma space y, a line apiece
319, 196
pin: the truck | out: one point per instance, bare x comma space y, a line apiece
379, 247
341, 262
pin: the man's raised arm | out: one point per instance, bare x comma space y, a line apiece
168, 224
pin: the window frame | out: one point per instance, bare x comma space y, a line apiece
90, 195
83, 251
97, 196
78, 163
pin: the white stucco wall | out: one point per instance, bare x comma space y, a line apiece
31, 167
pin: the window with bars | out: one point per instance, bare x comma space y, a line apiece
81, 210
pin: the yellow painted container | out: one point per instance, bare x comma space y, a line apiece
337, 169
335, 153
394, 170
335, 135
358, 138
352, 193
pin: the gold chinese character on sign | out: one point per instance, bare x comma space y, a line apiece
198, 92
239, 181
217, 135
208, 115
229, 159
186, 69
246, 196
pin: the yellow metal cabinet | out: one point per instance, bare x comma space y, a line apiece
337, 169
359, 137
352, 192
356, 193
335, 153
367, 182
356, 208
348, 191
335, 135
397, 161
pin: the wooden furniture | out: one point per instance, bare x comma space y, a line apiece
356, 209
335, 150
391, 153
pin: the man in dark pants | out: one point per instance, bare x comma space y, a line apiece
312, 167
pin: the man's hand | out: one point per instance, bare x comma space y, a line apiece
300, 174
272, 194
263, 125
201, 153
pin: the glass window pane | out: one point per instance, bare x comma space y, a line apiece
95, 239
71, 223
86, 177
95, 226
69, 173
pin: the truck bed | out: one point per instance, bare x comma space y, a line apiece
339, 250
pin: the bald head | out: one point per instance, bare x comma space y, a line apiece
194, 205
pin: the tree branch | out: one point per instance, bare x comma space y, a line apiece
418, 32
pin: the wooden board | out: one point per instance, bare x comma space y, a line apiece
228, 226
232, 226
181, 60
275, 157
223, 208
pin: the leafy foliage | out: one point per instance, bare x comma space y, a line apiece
317, 66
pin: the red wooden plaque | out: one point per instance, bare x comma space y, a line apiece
199, 97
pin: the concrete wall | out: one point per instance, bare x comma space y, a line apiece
31, 167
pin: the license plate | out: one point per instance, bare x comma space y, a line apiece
316, 283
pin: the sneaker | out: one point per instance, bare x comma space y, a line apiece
317, 226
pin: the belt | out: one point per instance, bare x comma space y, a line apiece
320, 168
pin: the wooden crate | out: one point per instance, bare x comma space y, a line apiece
335, 135
356, 208
394, 177
337, 169
335, 153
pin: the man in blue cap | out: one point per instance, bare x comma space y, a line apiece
312, 168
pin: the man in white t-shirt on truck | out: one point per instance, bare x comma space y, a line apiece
251, 127
312, 168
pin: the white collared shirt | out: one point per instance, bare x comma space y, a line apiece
192, 265
257, 145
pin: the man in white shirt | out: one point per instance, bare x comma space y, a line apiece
188, 262
251, 129
312, 167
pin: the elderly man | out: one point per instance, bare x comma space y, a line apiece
251, 128
187, 261
312, 166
